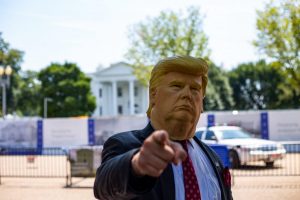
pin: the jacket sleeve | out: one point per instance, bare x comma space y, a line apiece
114, 177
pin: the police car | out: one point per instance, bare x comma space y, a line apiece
243, 147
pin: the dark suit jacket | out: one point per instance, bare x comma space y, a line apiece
115, 180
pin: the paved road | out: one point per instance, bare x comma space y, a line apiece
245, 188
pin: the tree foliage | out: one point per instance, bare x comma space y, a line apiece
13, 58
69, 90
172, 34
218, 92
27, 94
278, 39
167, 35
257, 86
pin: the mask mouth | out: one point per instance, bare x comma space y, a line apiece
185, 108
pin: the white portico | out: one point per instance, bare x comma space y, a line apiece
118, 92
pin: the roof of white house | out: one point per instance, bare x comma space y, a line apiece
116, 69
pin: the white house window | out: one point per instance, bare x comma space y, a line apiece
100, 92
136, 108
120, 109
136, 91
100, 110
120, 92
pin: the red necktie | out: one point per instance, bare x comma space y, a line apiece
191, 187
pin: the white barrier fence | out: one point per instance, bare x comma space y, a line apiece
283, 125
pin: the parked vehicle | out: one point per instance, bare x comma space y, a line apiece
243, 148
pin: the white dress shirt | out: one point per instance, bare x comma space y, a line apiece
206, 177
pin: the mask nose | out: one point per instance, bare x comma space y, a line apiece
187, 93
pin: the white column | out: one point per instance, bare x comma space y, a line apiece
114, 98
131, 97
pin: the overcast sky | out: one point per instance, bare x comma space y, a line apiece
94, 32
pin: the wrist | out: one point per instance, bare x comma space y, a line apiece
136, 170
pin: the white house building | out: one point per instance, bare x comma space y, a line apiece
118, 92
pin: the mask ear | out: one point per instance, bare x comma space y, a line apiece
152, 96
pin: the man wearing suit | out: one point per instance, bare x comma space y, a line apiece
164, 160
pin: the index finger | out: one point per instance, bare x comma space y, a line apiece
161, 137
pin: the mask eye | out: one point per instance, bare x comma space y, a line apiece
176, 86
196, 90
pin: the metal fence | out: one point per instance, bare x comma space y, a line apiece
28, 162
55, 163
270, 162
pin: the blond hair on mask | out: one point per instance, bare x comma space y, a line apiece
181, 64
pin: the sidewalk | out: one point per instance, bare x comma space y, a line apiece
245, 188
261, 188
45, 189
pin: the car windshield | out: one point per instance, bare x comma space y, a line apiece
232, 134
199, 134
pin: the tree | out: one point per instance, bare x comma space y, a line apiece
68, 88
13, 58
167, 35
172, 34
28, 94
218, 92
257, 86
278, 39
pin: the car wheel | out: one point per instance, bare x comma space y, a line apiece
270, 164
234, 159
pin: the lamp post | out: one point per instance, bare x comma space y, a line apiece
5, 73
46, 100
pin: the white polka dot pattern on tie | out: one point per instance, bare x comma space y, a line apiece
192, 191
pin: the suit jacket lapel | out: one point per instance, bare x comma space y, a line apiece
147, 131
